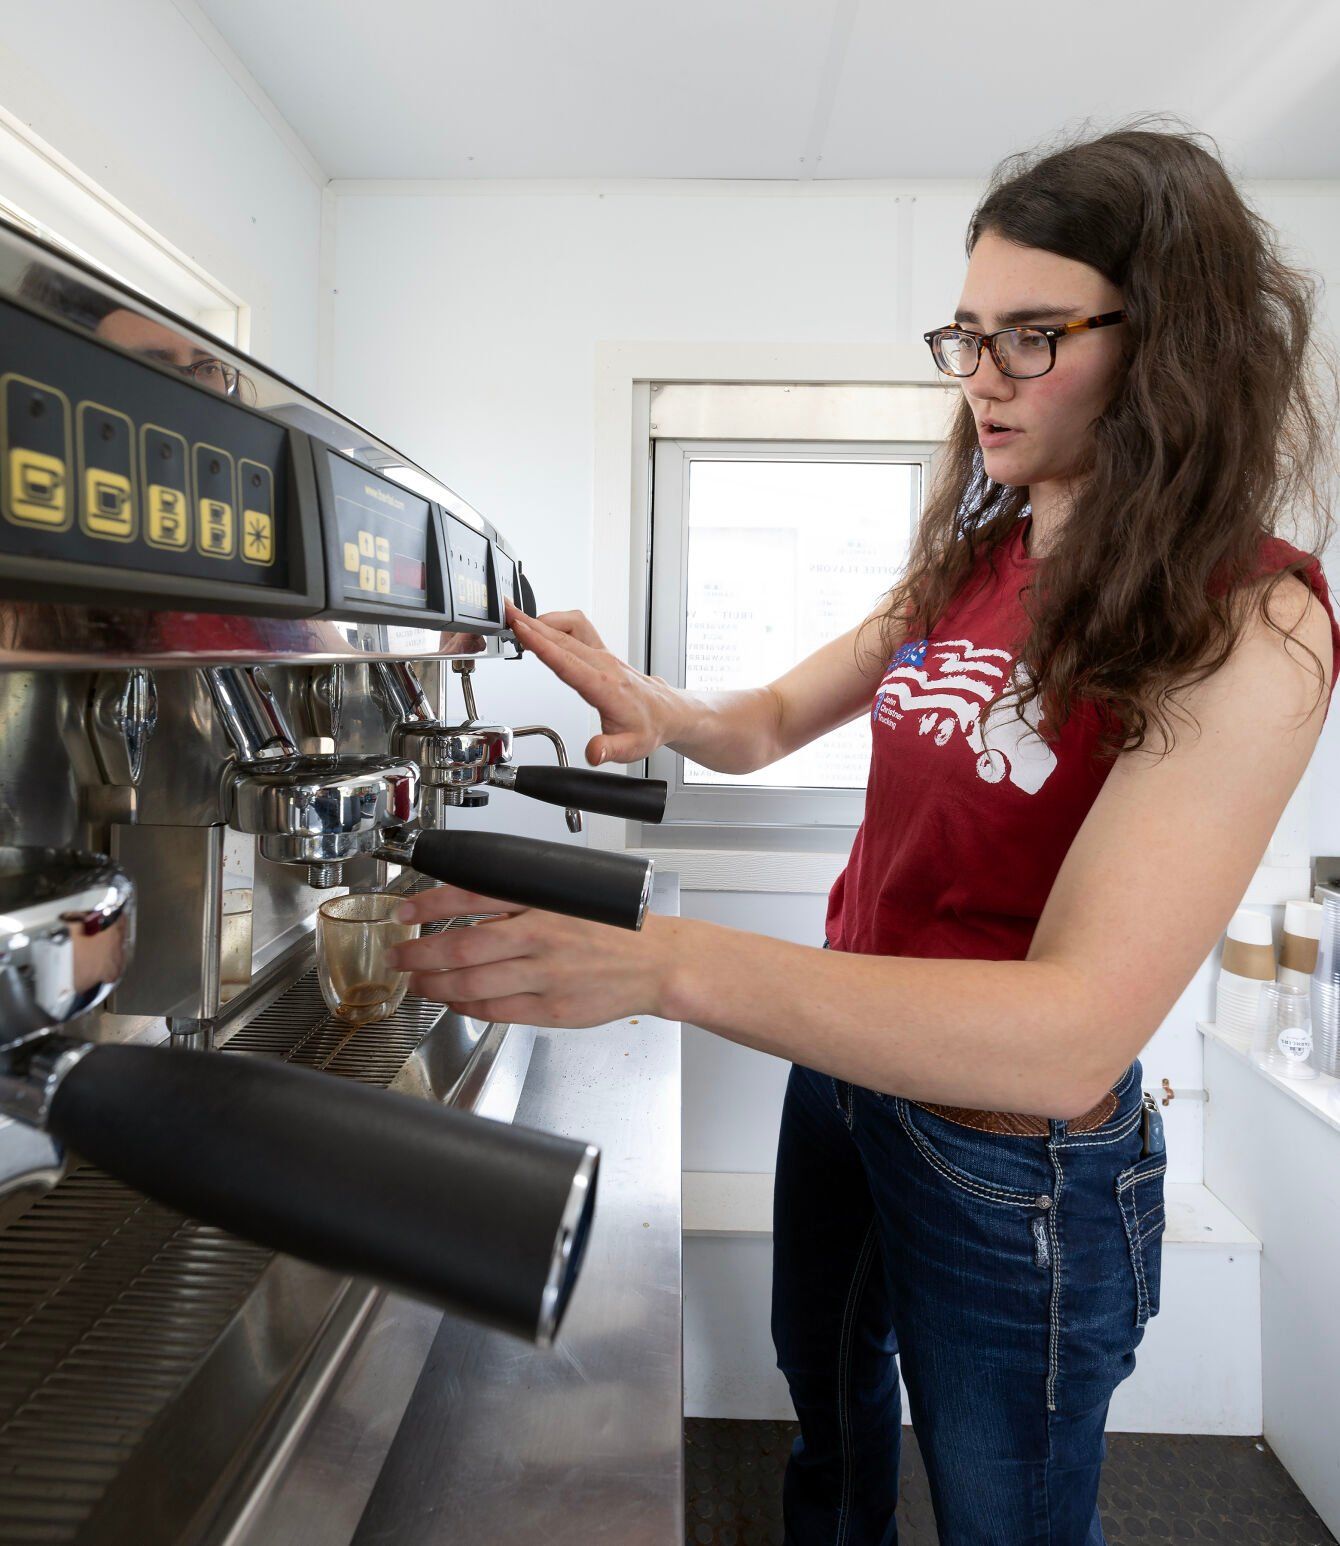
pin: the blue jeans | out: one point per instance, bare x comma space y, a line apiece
1012, 1274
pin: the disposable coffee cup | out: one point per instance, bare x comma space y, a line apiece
1248, 962
1299, 946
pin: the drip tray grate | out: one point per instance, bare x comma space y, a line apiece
110, 1302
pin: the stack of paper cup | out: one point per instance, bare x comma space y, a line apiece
1326, 986
1298, 948
1249, 961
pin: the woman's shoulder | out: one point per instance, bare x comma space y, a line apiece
1299, 605
1274, 557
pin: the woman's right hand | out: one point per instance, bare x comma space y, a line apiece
637, 712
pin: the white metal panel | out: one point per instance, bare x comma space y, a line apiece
799, 411
1277, 1166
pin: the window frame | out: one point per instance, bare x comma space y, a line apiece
47, 194
790, 817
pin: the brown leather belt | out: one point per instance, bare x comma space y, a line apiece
1017, 1123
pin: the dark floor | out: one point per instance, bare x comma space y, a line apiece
1156, 1487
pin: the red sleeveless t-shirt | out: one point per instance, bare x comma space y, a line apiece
969, 816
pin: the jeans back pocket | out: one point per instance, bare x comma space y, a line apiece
1140, 1198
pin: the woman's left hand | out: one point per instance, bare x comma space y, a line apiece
532, 967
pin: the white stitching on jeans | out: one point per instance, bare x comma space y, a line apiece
1120, 1089
1142, 1289
1054, 1339
1130, 1218
1130, 1177
1091, 1140
863, 1260
955, 1178
1086, 1141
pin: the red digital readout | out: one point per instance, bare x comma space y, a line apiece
409, 572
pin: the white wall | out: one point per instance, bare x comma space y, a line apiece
141, 102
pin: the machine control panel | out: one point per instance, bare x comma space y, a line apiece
383, 545
115, 478
125, 485
474, 584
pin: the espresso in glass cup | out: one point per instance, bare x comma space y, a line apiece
354, 934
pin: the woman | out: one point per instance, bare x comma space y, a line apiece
1094, 690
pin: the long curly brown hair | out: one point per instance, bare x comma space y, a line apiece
1219, 431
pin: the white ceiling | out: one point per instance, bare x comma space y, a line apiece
786, 89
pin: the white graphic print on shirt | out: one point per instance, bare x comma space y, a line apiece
949, 682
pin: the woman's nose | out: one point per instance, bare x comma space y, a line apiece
991, 384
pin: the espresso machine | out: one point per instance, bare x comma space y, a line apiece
238, 644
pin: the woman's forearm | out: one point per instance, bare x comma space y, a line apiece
991, 1035
729, 732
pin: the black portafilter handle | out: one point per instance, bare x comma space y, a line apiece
488, 1220
557, 877
608, 794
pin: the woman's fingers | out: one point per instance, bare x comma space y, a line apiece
625, 699
447, 901
537, 628
473, 983
454, 949
559, 653
516, 1009
575, 624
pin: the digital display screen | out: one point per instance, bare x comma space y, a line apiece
470, 570
408, 572
382, 536
507, 575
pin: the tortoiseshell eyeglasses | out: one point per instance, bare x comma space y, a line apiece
1018, 351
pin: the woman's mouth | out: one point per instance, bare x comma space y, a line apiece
989, 433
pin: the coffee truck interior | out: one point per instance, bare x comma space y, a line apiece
330, 336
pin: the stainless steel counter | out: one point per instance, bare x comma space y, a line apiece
438, 1432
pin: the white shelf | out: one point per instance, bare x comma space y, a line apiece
721, 1202
1319, 1095
739, 1205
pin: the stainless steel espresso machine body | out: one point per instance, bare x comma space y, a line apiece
230, 623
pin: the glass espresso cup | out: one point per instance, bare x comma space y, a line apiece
353, 935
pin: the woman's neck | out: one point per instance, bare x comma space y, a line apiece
1050, 506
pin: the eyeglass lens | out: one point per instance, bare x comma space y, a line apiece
212, 373
1020, 351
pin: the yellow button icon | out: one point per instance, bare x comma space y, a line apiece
384, 582
351, 557
216, 528
107, 508
383, 551
168, 521
38, 490
367, 578
365, 544
258, 537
